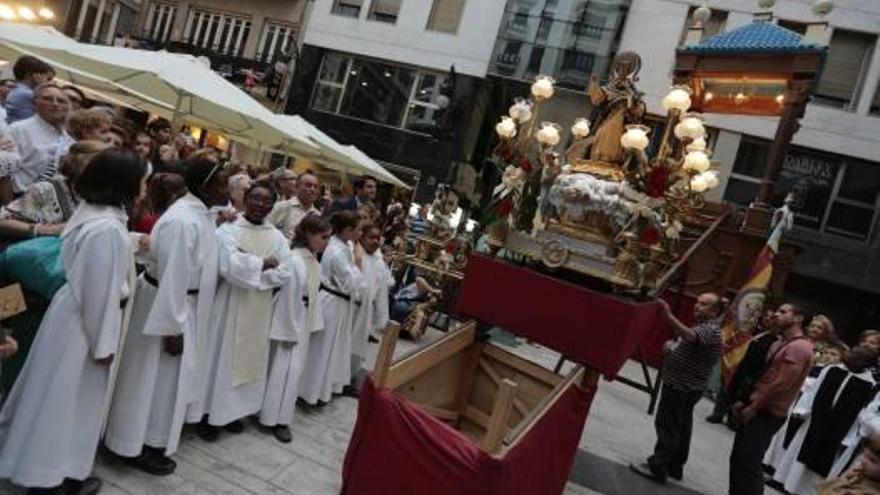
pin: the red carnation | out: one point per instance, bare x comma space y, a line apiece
451, 246
650, 235
505, 207
657, 181
526, 165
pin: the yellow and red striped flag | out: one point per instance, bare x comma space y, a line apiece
748, 307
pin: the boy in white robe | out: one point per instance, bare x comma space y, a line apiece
839, 393
371, 314
255, 259
51, 422
161, 373
296, 317
328, 365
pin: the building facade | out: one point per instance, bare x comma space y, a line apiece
400, 79
833, 166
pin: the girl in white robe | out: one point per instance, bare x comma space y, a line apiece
296, 317
372, 314
835, 385
255, 259
161, 373
51, 422
328, 366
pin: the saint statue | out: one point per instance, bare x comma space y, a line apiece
615, 105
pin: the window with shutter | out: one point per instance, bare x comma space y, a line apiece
446, 15
845, 66
348, 8
384, 10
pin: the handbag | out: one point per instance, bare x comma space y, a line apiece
35, 264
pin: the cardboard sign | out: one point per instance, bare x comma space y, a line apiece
11, 301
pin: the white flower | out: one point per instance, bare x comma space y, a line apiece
542, 88
506, 129
521, 111
673, 229
548, 135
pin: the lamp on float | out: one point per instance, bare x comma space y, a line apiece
690, 127
46, 13
636, 137
678, 99
696, 161
581, 128
542, 88
548, 135
506, 129
26, 13
7, 13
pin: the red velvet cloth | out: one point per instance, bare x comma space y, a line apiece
398, 448
599, 330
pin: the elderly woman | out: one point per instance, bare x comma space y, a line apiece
821, 334
47, 205
238, 185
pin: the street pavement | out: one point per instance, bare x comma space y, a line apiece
618, 432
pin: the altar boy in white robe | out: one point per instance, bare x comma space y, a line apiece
51, 422
830, 407
162, 370
328, 366
255, 259
372, 313
296, 317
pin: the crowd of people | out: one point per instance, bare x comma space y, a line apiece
195, 291
805, 407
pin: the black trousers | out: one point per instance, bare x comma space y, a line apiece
749, 446
674, 424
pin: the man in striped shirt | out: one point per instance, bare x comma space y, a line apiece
686, 368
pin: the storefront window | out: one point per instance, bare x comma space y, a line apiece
378, 92
833, 194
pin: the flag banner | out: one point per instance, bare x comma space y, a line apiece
747, 308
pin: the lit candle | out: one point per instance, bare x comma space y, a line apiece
678, 99
506, 129
635, 137
581, 128
542, 88
548, 135
697, 161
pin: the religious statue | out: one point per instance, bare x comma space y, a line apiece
615, 105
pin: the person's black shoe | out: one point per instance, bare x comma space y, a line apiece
779, 487
207, 431
645, 470
152, 461
55, 490
88, 486
235, 427
349, 391
714, 419
675, 474
372, 340
282, 433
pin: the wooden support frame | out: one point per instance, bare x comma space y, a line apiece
500, 414
415, 364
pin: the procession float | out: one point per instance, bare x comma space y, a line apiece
584, 236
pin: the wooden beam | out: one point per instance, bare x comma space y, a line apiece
466, 375
529, 368
500, 414
496, 379
477, 416
576, 377
386, 354
440, 413
418, 363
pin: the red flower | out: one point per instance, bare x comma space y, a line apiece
650, 235
505, 207
526, 165
451, 247
656, 182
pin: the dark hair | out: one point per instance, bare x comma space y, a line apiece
163, 190
159, 123
307, 172
26, 66
265, 184
82, 96
311, 224
361, 181
78, 157
112, 178
198, 172
370, 226
859, 358
346, 219
800, 310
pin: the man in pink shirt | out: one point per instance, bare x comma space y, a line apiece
788, 362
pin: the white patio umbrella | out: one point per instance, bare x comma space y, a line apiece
175, 86
336, 156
